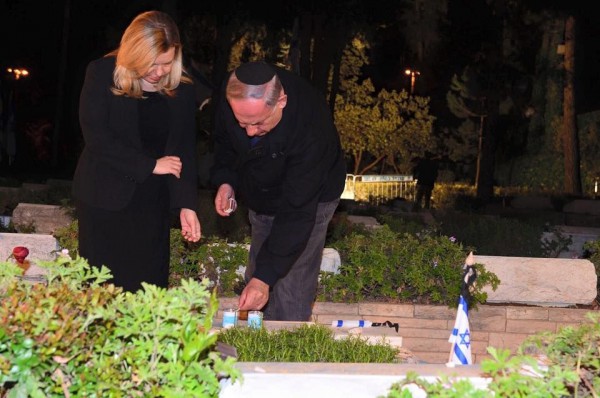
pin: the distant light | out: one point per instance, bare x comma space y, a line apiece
413, 77
18, 73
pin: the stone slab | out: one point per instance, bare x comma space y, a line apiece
583, 206
331, 260
368, 222
53, 182
579, 236
46, 218
8, 197
532, 202
373, 335
41, 246
546, 282
5, 221
32, 187
290, 380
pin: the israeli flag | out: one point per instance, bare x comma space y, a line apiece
460, 338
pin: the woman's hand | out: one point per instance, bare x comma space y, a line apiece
168, 165
190, 225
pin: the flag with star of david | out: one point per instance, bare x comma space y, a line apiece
461, 336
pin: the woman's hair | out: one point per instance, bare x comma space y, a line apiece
269, 91
149, 35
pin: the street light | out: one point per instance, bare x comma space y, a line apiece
413, 77
18, 72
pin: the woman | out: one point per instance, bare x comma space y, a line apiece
137, 114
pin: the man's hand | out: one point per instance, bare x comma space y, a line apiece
168, 165
254, 296
225, 200
190, 226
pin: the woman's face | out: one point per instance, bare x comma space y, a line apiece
162, 66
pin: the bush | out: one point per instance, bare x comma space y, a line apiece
67, 238
386, 266
380, 265
562, 364
592, 250
214, 259
76, 336
497, 236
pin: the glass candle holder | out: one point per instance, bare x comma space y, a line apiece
229, 318
255, 319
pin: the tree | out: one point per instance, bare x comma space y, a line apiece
421, 23
375, 127
467, 104
569, 138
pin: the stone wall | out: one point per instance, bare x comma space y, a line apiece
425, 328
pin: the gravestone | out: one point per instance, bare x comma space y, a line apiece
579, 237
41, 246
45, 218
545, 282
331, 261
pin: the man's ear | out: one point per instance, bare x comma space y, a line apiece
282, 101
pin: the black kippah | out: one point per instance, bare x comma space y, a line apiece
255, 73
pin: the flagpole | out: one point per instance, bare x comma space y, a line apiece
469, 274
451, 364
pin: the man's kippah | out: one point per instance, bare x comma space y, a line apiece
255, 73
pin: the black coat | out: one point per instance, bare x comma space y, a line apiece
112, 161
293, 168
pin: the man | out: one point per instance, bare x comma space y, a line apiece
278, 151
425, 172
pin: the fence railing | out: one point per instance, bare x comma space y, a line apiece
378, 188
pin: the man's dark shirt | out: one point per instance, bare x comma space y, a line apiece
426, 172
286, 174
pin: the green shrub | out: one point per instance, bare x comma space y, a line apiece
562, 364
386, 266
379, 265
76, 336
493, 235
510, 376
403, 224
213, 258
307, 343
340, 226
67, 238
592, 250
572, 348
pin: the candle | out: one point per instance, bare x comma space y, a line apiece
229, 318
255, 319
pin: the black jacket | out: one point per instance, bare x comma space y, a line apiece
112, 161
294, 167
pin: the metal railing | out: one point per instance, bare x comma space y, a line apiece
378, 188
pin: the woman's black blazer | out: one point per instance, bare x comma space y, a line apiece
112, 161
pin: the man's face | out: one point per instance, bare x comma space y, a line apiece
255, 116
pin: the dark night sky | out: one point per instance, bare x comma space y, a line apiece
34, 30
32, 33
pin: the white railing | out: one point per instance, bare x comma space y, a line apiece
378, 188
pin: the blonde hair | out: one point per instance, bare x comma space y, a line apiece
270, 91
149, 35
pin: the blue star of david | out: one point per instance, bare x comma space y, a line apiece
465, 338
